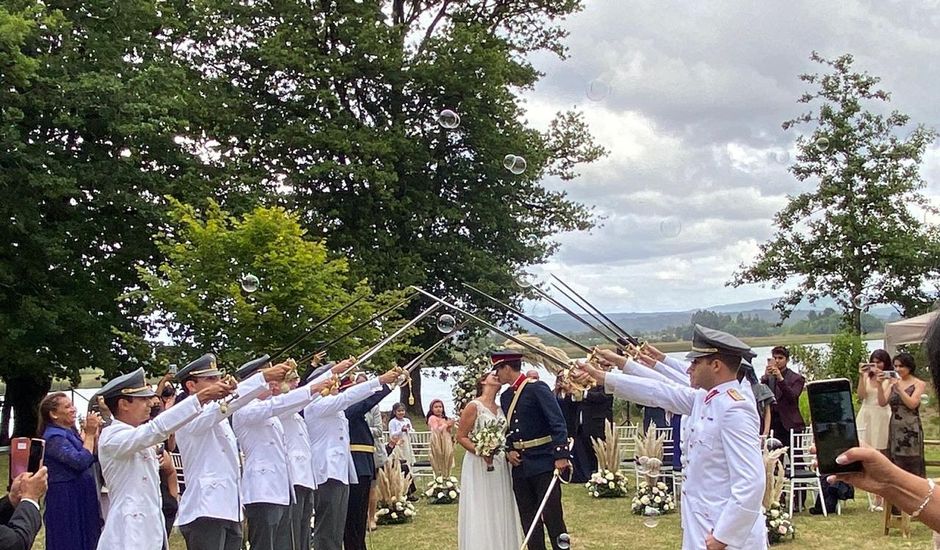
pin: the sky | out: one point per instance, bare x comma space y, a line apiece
689, 99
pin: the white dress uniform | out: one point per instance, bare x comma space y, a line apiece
266, 476
131, 471
211, 461
724, 485
299, 455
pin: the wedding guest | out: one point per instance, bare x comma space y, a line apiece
437, 420
19, 511
905, 433
873, 418
72, 515
400, 426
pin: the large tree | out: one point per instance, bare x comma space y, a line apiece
243, 286
858, 235
340, 114
92, 100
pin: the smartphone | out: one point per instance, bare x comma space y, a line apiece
834, 429
37, 451
892, 374
173, 369
865, 367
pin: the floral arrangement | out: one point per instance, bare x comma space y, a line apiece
779, 524
489, 440
465, 387
652, 495
608, 481
393, 506
607, 484
442, 490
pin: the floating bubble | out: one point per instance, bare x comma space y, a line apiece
861, 301
670, 228
448, 119
822, 144
250, 283
515, 164
446, 323
924, 399
564, 541
783, 157
525, 280
651, 517
773, 444
597, 90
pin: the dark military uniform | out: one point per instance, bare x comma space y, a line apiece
362, 448
537, 432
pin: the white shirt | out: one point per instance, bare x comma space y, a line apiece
299, 456
266, 477
131, 471
210, 459
328, 430
725, 475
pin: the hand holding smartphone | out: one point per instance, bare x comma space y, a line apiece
26, 455
833, 420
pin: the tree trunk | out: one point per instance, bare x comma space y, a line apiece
416, 409
24, 392
5, 423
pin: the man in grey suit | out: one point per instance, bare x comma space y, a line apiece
19, 511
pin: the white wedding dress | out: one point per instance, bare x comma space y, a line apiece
488, 518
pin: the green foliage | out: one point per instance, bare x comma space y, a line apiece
195, 296
858, 235
840, 360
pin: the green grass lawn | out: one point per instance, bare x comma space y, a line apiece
608, 524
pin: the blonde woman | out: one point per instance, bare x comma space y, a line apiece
873, 417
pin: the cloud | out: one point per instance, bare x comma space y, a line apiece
689, 99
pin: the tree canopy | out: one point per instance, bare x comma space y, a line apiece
855, 235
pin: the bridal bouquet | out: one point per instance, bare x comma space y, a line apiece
652, 495
489, 440
779, 524
607, 484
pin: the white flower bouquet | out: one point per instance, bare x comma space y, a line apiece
442, 490
489, 440
607, 484
653, 495
779, 524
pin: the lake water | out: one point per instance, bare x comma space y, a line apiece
432, 387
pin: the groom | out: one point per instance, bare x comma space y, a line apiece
537, 445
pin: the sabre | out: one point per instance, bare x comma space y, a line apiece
619, 330
494, 328
539, 324
414, 363
359, 326
538, 514
319, 324
548, 297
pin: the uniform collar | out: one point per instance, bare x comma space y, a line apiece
515, 385
720, 389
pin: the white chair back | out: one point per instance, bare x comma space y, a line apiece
801, 458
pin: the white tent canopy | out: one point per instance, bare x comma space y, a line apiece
907, 331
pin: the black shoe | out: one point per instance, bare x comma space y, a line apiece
412, 498
815, 511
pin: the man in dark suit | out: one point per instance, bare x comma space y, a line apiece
537, 445
596, 408
19, 511
787, 386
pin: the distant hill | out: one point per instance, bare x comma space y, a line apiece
654, 321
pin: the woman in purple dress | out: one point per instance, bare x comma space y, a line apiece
72, 516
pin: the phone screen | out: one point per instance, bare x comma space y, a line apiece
37, 450
834, 429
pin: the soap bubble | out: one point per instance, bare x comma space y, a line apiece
448, 119
597, 90
250, 283
564, 541
822, 144
924, 399
515, 164
670, 228
446, 323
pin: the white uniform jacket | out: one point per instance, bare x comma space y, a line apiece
724, 484
329, 433
210, 459
129, 465
299, 457
266, 477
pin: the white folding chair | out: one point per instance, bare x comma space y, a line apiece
800, 473
178, 466
421, 447
626, 441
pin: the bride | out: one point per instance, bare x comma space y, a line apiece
488, 517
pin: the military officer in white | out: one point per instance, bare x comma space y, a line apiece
210, 511
267, 488
725, 473
333, 466
126, 451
